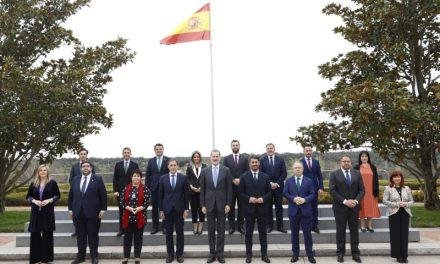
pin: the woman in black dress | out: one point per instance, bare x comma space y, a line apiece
193, 172
135, 200
42, 194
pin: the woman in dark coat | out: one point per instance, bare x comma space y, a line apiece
193, 172
42, 194
135, 200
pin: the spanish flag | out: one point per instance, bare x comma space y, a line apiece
194, 28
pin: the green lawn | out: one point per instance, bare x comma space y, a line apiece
424, 218
13, 221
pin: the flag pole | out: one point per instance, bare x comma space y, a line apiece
212, 79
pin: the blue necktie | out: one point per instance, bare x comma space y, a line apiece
173, 181
347, 178
215, 176
271, 161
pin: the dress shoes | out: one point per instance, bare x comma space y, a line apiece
357, 259
282, 230
402, 260
269, 229
137, 262
311, 259
340, 258
294, 259
78, 260
265, 259
316, 230
210, 259
241, 230
125, 262
120, 233
231, 231
221, 259
248, 259
73, 234
154, 231
95, 261
180, 259
169, 259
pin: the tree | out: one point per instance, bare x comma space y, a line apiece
48, 105
386, 94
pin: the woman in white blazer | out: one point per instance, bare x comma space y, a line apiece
398, 198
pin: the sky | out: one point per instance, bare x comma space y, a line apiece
265, 56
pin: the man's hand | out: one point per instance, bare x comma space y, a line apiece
116, 194
260, 200
161, 215
101, 214
236, 181
70, 214
320, 191
227, 209
185, 214
350, 203
274, 185
204, 210
252, 200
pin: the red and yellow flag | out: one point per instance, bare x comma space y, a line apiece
194, 28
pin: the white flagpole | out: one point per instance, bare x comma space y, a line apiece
212, 79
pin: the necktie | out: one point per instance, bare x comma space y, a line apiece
347, 178
159, 162
126, 166
255, 177
309, 164
236, 159
215, 176
83, 186
271, 161
298, 182
173, 181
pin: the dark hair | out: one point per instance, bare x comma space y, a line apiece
397, 173
194, 153
126, 148
308, 145
366, 153
84, 162
158, 145
171, 160
344, 156
271, 144
235, 140
83, 149
253, 156
137, 171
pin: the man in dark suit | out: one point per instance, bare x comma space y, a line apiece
87, 203
255, 192
312, 170
215, 199
76, 171
237, 164
300, 192
156, 167
275, 167
347, 189
173, 206
121, 178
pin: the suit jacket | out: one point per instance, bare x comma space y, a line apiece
391, 198
153, 173
94, 199
314, 173
340, 192
375, 179
76, 171
236, 170
276, 174
42, 219
306, 191
177, 198
192, 177
120, 178
216, 197
249, 188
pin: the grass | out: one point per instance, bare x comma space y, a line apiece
13, 221
424, 218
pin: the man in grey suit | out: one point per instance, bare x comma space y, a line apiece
215, 199
347, 189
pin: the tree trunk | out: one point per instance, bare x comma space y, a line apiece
431, 199
2, 203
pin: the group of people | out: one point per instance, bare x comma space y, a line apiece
253, 185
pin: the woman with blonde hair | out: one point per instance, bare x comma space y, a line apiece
43, 192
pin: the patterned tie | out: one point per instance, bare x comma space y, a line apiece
173, 181
215, 176
159, 162
298, 182
347, 178
309, 164
83, 186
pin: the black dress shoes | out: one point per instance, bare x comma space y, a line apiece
231, 231
180, 259
125, 262
269, 229
95, 261
402, 260
357, 259
316, 230
294, 259
221, 259
169, 259
154, 231
120, 233
78, 260
210, 259
248, 259
282, 230
241, 230
311, 259
340, 258
265, 259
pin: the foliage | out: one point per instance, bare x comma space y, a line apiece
48, 104
386, 94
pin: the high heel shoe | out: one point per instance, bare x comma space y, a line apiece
371, 230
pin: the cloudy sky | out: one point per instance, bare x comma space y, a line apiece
265, 56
